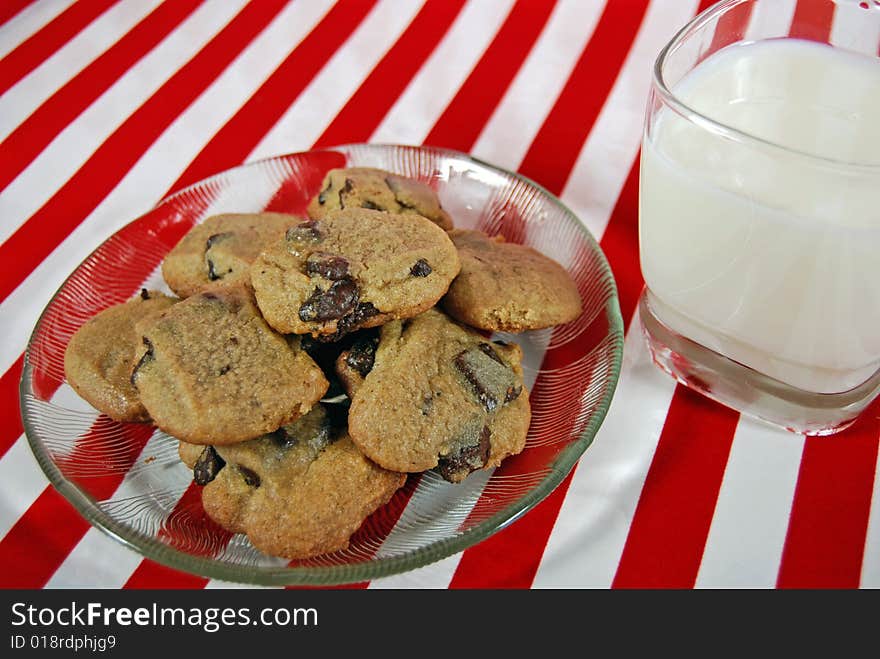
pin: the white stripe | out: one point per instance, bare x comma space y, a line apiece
871, 559
856, 29
28, 22
746, 538
97, 561
26, 96
76, 143
344, 72
584, 549
517, 119
229, 585
21, 482
771, 19
155, 172
413, 115
436, 576
607, 156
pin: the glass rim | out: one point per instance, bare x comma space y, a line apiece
720, 128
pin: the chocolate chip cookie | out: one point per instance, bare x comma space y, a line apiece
209, 370
377, 189
508, 287
98, 359
439, 395
354, 268
221, 249
296, 493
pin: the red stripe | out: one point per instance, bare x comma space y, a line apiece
33, 135
10, 8
731, 27
620, 243
32, 52
668, 533
43, 537
825, 542
9, 407
812, 20
460, 124
67, 208
549, 161
366, 108
555, 149
232, 144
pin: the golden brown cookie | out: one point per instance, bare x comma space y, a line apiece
377, 189
99, 358
297, 493
508, 287
354, 268
221, 249
440, 395
211, 371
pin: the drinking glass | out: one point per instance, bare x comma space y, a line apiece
761, 249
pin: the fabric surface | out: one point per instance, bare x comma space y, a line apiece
108, 105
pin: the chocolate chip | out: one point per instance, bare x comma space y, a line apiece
398, 188
213, 275
352, 321
145, 294
370, 205
207, 466
348, 188
251, 477
487, 350
336, 302
327, 266
147, 357
427, 403
322, 196
469, 453
362, 355
420, 269
512, 393
316, 430
216, 238
225, 369
308, 231
490, 379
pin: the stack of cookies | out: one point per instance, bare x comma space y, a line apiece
307, 365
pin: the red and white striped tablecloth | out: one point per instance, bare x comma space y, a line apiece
108, 105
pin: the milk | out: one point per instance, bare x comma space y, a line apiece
768, 256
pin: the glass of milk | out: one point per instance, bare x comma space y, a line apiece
759, 209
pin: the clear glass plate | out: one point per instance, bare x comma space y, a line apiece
127, 479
